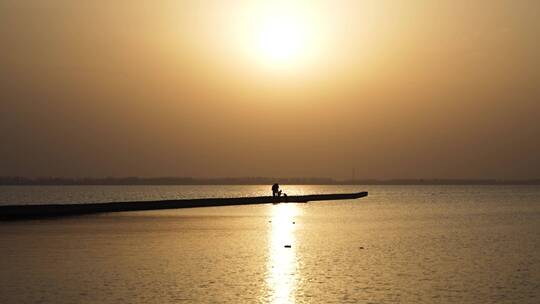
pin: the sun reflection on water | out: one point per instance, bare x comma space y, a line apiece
282, 265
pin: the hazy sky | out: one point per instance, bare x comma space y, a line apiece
395, 89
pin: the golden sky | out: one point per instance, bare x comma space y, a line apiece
394, 89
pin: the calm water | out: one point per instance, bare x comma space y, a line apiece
409, 244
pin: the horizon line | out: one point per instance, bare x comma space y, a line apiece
171, 180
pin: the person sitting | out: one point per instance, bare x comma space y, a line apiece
275, 190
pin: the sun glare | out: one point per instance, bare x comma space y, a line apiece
281, 40
279, 35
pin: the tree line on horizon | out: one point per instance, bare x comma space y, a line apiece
65, 181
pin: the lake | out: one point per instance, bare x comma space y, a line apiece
409, 244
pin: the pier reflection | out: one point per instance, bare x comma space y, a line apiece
282, 275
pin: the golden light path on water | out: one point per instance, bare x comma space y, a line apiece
282, 265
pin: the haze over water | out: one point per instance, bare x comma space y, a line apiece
411, 244
303, 90
393, 89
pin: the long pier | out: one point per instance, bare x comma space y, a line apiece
22, 212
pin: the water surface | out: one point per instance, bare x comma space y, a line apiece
411, 244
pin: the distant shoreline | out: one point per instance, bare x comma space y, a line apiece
141, 181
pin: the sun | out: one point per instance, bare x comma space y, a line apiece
283, 37
281, 40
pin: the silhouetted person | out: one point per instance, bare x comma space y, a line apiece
275, 190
